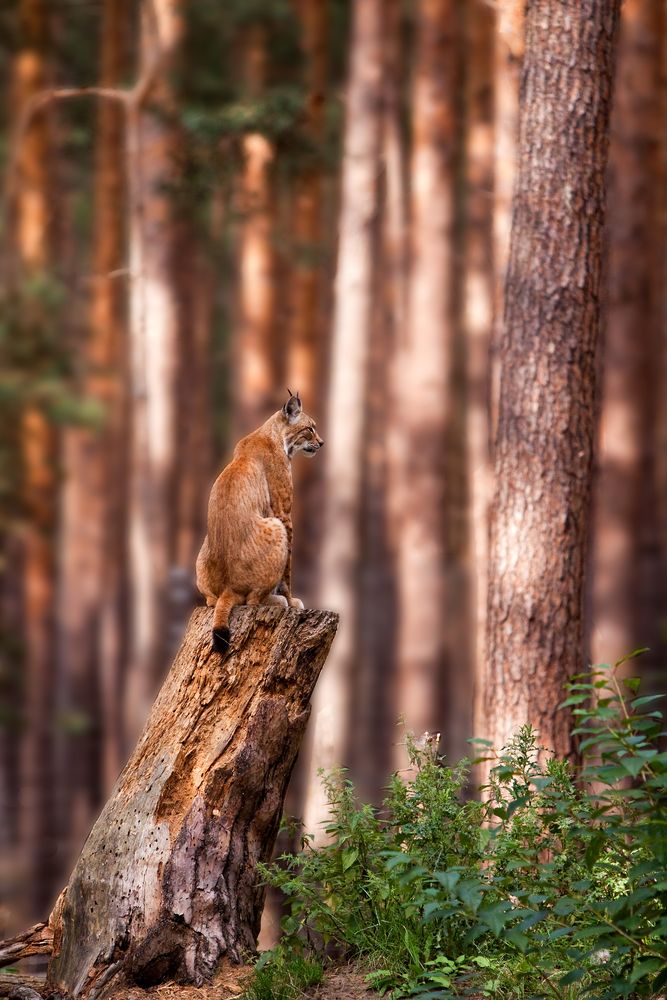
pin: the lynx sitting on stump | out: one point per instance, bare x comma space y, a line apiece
246, 557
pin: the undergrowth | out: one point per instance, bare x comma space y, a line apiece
555, 885
279, 977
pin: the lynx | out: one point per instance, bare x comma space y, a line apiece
247, 553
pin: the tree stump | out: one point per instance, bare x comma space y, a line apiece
166, 885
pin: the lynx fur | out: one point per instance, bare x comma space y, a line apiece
247, 553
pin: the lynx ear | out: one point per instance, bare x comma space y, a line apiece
292, 407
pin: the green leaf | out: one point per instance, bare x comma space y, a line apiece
448, 879
516, 804
348, 858
572, 977
518, 939
633, 764
574, 699
396, 858
532, 919
646, 699
597, 931
559, 933
470, 893
495, 917
595, 847
660, 979
644, 967
565, 906
632, 656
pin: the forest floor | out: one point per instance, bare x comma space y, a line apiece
341, 984
229, 984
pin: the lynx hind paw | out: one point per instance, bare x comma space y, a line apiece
220, 640
296, 603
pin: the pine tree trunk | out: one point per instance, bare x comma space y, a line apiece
255, 386
196, 469
478, 299
661, 368
544, 449
625, 501
167, 883
91, 530
345, 415
425, 399
152, 152
31, 232
305, 347
373, 719
507, 61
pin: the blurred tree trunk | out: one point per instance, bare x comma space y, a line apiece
91, 532
344, 432
254, 342
478, 299
152, 151
393, 287
624, 586
195, 284
425, 402
305, 354
31, 229
507, 61
661, 372
544, 448
373, 719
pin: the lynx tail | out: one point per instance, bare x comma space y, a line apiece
221, 634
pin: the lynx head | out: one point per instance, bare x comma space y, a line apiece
299, 433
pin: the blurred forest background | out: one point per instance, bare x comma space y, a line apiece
207, 202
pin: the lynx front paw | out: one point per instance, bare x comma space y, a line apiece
220, 640
296, 603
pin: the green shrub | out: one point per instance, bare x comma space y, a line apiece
554, 886
283, 975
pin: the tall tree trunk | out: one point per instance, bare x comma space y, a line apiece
478, 302
344, 431
661, 373
152, 148
508, 58
625, 457
254, 344
91, 531
305, 354
426, 367
31, 227
373, 720
195, 284
544, 448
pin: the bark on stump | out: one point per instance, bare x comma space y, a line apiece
166, 885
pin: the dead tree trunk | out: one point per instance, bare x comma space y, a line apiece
166, 885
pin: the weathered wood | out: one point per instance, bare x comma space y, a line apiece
37, 940
21, 987
166, 885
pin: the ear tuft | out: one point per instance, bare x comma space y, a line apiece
292, 408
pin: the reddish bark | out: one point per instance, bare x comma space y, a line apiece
544, 448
